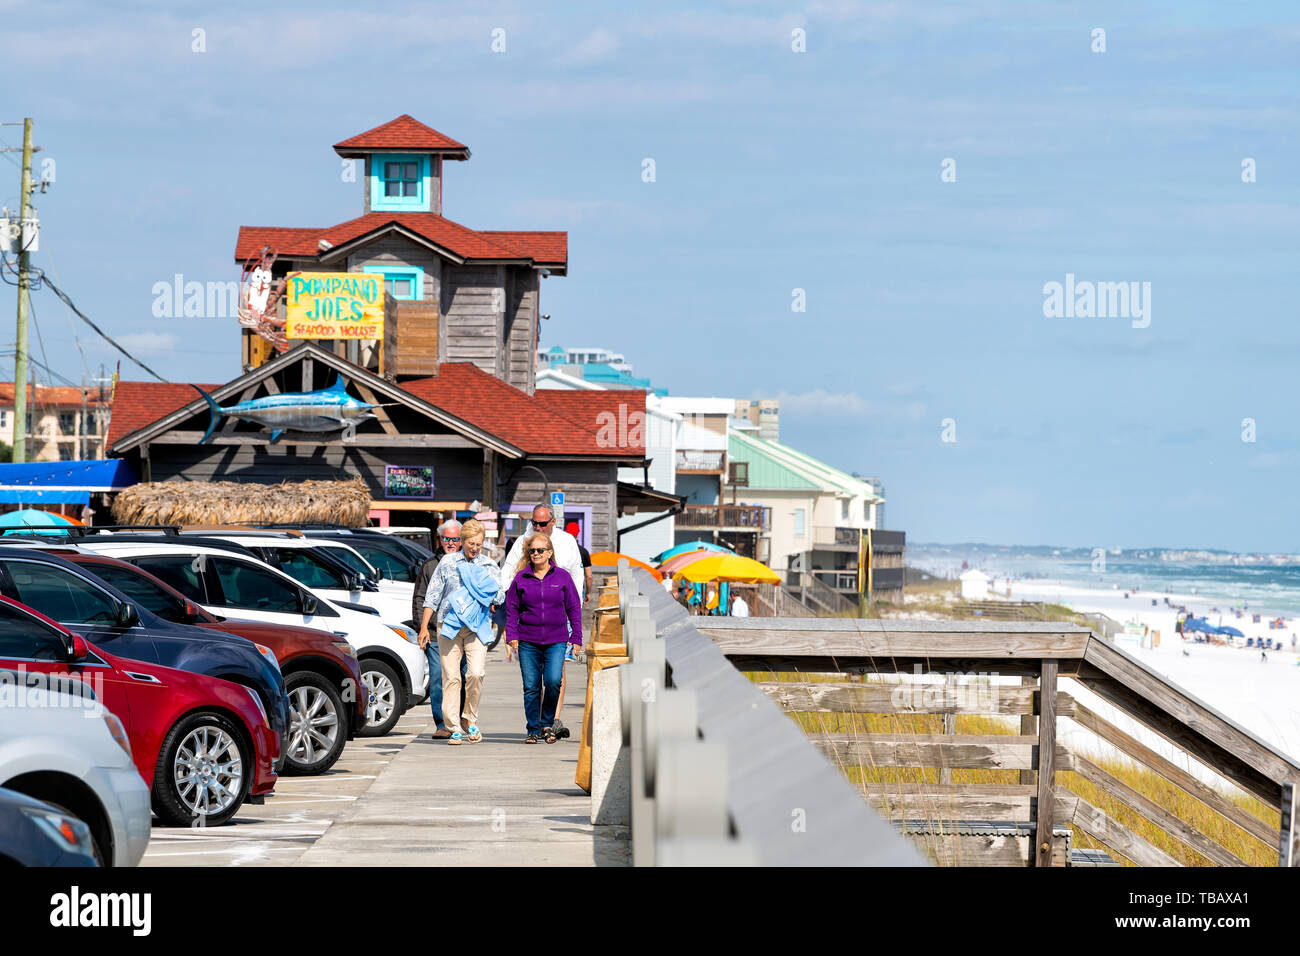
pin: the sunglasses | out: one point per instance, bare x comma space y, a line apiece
539, 550
542, 524
452, 540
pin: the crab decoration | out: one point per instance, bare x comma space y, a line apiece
258, 300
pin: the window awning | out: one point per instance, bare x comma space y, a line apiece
62, 482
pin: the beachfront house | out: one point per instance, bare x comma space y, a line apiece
821, 523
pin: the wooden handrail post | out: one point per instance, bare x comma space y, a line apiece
1028, 728
1289, 846
1046, 763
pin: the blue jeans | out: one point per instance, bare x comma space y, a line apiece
542, 667
435, 680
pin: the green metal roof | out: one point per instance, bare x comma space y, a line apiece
765, 471
773, 465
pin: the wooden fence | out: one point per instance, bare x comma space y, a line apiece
821, 667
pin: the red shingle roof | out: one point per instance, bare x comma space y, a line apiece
405, 133
541, 248
533, 424
608, 411
49, 395
137, 404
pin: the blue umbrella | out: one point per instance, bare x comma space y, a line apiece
1231, 632
1200, 624
33, 518
688, 546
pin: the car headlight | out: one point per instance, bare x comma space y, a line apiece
406, 633
268, 654
345, 648
67, 832
261, 708
118, 731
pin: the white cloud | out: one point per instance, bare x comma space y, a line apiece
595, 47
147, 341
822, 402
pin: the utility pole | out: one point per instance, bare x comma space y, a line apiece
24, 260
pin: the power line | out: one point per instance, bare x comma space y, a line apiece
42, 279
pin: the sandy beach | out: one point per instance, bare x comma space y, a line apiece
1261, 695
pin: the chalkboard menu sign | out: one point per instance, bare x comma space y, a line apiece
408, 481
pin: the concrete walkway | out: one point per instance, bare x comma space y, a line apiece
496, 803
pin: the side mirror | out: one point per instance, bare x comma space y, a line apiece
191, 612
79, 650
309, 604
379, 574
355, 581
127, 616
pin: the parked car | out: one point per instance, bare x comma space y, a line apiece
313, 564
322, 676
93, 608
33, 833
202, 744
394, 671
397, 558
65, 748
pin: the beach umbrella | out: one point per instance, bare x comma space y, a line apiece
1200, 625
1231, 632
33, 518
688, 546
610, 558
673, 565
728, 567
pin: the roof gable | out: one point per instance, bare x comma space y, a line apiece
403, 133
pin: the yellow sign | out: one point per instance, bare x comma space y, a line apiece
334, 305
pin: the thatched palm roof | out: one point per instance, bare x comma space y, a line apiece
231, 502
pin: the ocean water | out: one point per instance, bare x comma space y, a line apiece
1267, 584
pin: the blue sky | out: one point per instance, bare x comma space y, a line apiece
775, 170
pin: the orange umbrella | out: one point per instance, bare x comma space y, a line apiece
610, 558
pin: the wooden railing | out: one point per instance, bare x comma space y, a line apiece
828, 671
818, 595
748, 517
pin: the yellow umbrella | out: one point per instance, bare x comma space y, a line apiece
728, 567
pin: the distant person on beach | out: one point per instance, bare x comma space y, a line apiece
543, 617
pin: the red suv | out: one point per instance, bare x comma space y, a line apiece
203, 744
321, 674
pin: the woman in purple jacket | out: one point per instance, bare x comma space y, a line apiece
543, 614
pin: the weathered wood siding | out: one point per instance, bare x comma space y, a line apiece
521, 328
398, 251
473, 305
583, 484
457, 473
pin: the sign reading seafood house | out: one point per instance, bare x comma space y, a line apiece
334, 305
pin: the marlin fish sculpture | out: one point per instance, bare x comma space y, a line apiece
324, 410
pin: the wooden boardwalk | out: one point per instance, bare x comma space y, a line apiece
408, 800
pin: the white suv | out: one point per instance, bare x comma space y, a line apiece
230, 584
300, 558
67, 750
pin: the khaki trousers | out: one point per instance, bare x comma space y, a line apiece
465, 643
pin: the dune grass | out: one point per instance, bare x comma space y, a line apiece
1143, 780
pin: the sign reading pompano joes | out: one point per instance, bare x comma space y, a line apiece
334, 305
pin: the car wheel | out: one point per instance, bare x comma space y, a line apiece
316, 734
203, 772
384, 704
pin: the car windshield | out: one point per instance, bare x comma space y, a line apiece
394, 568
351, 559
166, 604
309, 569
